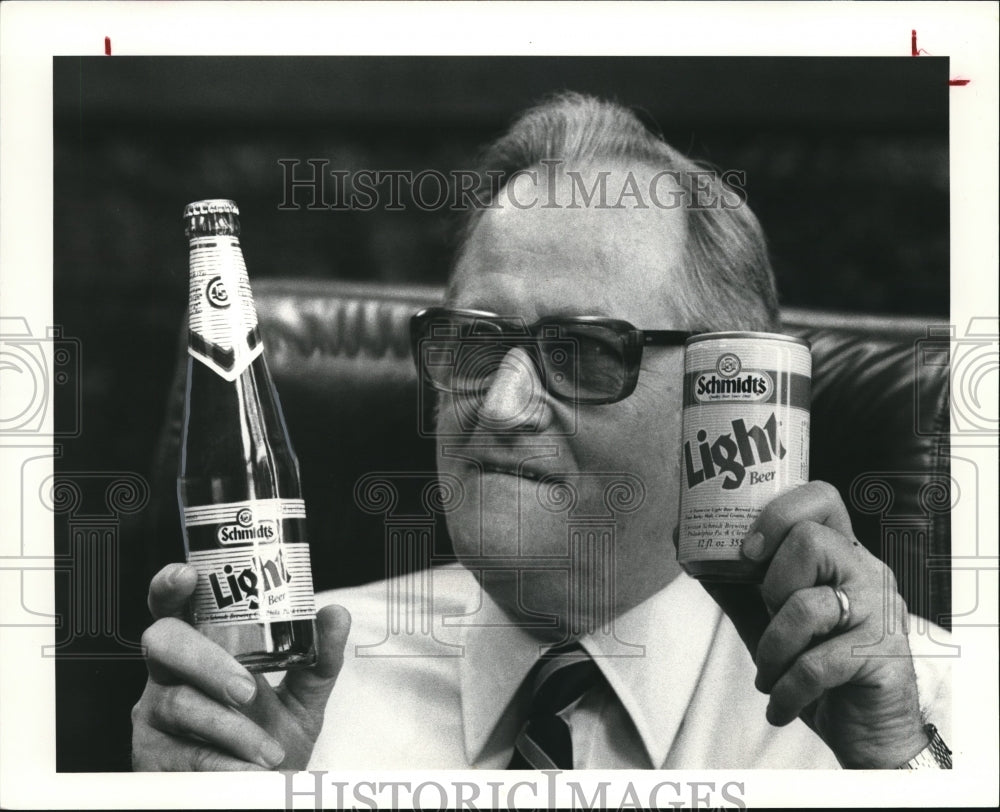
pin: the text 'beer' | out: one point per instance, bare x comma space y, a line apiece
244, 519
744, 440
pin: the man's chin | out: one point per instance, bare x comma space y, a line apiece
535, 599
511, 532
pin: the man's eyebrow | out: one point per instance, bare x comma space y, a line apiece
574, 312
475, 304
555, 312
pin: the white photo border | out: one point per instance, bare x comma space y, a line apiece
31, 34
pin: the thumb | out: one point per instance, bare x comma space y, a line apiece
311, 687
170, 590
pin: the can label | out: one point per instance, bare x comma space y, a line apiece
252, 560
222, 321
745, 437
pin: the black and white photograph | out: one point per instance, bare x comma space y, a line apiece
395, 420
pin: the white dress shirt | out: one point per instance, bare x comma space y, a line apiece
444, 688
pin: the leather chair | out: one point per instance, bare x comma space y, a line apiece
340, 356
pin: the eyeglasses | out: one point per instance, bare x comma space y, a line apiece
578, 359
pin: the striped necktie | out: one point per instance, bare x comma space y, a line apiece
562, 676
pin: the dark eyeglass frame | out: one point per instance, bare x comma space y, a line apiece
632, 342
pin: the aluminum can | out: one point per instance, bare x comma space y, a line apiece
744, 440
243, 516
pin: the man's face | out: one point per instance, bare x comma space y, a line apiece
532, 549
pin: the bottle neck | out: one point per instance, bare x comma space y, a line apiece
222, 320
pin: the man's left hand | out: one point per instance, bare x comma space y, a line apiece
854, 685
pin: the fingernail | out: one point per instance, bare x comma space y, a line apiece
753, 545
241, 689
271, 753
176, 573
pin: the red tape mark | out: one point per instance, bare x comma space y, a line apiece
107, 46
915, 51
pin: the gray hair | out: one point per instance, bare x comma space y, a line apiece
731, 283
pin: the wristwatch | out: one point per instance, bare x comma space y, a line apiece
935, 756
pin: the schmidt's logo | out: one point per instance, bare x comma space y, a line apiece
246, 529
727, 384
216, 293
728, 365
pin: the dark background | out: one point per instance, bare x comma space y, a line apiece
846, 165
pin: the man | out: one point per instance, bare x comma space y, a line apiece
586, 222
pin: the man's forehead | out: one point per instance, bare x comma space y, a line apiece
547, 248
498, 290
591, 194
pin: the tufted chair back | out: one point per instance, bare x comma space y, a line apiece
339, 353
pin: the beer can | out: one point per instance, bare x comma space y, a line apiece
745, 439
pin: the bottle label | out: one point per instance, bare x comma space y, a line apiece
222, 321
252, 560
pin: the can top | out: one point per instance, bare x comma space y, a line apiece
749, 335
211, 217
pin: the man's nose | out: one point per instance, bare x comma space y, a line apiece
515, 399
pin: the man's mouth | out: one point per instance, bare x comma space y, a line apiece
523, 473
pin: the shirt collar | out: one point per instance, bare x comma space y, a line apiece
665, 641
489, 681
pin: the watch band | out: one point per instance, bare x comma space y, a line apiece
935, 756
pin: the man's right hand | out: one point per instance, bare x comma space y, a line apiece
202, 710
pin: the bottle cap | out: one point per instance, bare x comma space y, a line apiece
211, 217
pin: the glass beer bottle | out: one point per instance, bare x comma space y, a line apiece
241, 501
